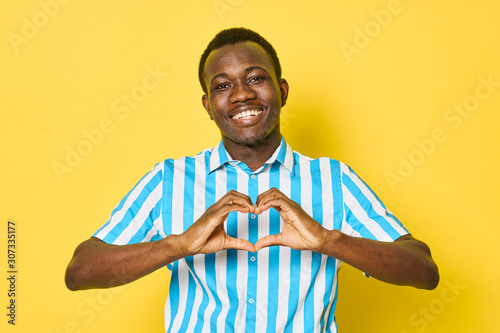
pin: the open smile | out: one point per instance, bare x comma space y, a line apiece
247, 114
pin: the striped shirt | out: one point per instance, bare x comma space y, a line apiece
277, 289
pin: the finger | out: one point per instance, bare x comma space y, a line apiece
238, 244
271, 193
234, 197
263, 200
280, 204
270, 240
223, 211
234, 193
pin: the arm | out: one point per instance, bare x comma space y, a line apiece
406, 261
96, 264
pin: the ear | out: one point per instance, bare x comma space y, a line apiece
284, 91
206, 105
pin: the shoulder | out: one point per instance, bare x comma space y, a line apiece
334, 164
323, 168
202, 157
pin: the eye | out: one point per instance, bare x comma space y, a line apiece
221, 86
256, 79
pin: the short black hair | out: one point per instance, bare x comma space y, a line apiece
233, 36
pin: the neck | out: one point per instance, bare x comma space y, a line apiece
253, 156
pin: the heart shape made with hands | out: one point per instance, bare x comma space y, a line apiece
300, 231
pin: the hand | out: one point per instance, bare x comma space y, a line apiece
207, 234
300, 231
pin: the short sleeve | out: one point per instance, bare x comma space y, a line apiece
364, 214
137, 217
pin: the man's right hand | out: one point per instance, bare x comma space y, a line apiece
96, 264
207, 234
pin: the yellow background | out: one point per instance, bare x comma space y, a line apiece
367, 107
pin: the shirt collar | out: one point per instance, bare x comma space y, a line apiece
283, 154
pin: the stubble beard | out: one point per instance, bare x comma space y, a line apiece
260, 138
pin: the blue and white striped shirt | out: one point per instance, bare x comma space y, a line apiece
276, 289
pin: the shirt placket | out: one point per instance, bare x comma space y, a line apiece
253, 233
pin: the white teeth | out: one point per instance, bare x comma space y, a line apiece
247, 114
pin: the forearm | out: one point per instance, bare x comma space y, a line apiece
96, 264
406, 261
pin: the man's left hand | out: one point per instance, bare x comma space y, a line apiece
300, 231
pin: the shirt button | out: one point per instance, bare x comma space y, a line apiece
253, 216
252, 176
251, 301
252, 258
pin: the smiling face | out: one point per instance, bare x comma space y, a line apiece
244, 96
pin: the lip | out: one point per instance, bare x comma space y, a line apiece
240, 109
248, 121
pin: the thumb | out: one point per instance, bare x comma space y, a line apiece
239, 244
270, 240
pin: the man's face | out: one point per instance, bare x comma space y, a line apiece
244, 96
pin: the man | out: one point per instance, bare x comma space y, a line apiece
252, 232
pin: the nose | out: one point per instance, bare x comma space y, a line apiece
242, 92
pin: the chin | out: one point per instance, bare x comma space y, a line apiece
250, 142
254, 141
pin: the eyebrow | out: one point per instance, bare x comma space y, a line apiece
249, 69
